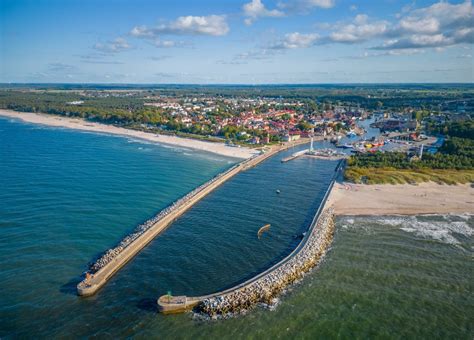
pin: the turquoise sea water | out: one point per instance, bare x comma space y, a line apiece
65, 196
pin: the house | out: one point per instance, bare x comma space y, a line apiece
291, 136
394, 124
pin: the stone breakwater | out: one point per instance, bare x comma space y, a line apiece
112, 260
267, 287
112, 253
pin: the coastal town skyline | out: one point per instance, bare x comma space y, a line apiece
245, 41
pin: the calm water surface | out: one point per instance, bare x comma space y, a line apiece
66, 196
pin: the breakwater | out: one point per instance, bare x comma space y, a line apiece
267, 285
110, 254
113, 259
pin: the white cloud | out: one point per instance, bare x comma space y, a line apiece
424, 40
142, 32
256, 9
428, 40
114, 46
424, 25
464, 35
437, 18
214, 25
439, 25
296, 40
447, 15
359, 30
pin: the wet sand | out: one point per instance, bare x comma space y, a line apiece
402, 199
81, 124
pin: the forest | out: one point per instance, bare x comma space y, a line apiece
369, 96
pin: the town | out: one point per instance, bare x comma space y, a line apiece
241, 119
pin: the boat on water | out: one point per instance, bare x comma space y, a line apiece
326, 153
345, 146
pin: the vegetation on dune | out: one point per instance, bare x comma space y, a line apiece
400, 176
456, 153
117, 110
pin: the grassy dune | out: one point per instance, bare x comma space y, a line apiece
400, 176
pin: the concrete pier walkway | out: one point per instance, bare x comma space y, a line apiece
94, 281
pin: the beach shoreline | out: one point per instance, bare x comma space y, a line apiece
83, 125
401, 199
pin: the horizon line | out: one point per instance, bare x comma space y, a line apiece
236, 84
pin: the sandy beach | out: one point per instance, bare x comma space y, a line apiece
80, 124
402, 199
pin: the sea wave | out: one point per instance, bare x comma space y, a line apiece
448, 230
141, 141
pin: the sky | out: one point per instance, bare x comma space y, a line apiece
236, 41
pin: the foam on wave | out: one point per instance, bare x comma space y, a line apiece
446, 230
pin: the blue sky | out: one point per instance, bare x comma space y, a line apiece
236, 41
